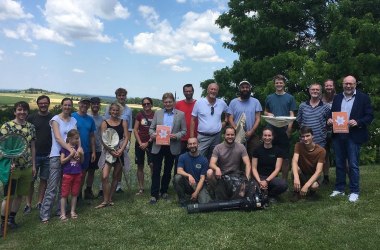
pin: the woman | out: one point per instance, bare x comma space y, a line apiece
121, 127
175, 119
60, 125
266, 164
143, 141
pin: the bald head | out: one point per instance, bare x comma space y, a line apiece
212, 90
349, 85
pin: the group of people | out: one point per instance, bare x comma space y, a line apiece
67, 148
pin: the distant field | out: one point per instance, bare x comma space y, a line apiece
9, 100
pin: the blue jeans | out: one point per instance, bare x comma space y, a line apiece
346, 150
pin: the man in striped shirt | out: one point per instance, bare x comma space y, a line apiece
314, 114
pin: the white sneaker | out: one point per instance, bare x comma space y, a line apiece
336, 193
353, 197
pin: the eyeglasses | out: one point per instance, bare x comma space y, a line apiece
43, 103
146, 104
212, 110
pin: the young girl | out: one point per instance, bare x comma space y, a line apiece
72, 173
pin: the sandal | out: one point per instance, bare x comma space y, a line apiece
63, 218
102, 205
111, 203
45, 221
74, 215
140, 192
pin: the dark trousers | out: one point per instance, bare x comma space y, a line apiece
276, 186
157, 181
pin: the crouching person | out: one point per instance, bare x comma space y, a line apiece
226, 178
189, 182
307, 164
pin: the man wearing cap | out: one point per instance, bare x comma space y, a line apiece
98, 119
86, 128
251, 108
126, 115
208, 111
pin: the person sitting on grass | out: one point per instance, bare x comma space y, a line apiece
307, 164
266, 164
121, 127
191, 174
72, 173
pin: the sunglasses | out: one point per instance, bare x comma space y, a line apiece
212, 110
146, 104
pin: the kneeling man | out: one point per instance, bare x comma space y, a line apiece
189, 182
307, 163
226, 176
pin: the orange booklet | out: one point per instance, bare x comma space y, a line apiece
340, 122
163, 135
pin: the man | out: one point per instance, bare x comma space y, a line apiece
251, 107
187, 106
86, 128
314, 114
191, 174
358, 107
121, 97
307, 164
281, 103
40, 120
226, 178
98, 119
209, 112
23, 168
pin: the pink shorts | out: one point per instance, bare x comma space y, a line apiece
71, 183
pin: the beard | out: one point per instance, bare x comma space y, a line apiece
245, 95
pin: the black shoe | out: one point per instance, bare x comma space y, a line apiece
12, 223
1, 230
38, 206
100, 194
27, 209
119, 191
88, 194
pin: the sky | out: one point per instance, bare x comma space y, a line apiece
93, 47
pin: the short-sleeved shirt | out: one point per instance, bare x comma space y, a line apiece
126, 116
187, 108
43, 134
266, 159
86, 126
144, 124
72, 166
27, 131
64, 127
208, 123
315, 118
98, 119
249, 107
195, 166
230, 157
308, 160
280, 105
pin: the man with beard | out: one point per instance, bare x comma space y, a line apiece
186, 106
225, 177
329, 92
251, 107
208, 111
189, 182
121, 97
40, 120
281, 103
359, 111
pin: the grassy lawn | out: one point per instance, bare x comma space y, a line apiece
132, 223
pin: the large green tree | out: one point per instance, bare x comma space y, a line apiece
307, 41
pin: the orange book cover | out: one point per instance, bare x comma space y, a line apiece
163, 135
340, 122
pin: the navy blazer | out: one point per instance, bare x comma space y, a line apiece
361, 112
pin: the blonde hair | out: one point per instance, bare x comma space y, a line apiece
73, 132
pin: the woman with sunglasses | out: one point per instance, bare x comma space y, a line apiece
143, 141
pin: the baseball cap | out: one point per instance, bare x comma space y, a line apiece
245, 82
95, 100
85, 99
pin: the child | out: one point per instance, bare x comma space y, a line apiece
72, 173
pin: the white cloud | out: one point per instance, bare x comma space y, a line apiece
177, 68
12, 10
181, 1
1, 55
193, 39
79, 71
28, 54
172, 60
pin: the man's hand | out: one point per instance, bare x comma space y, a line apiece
297, 185
304, 190
144, 145
194, 196
218, 173
248, 134
352, 123
263, 184
192, 181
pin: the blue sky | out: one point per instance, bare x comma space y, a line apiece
95, 46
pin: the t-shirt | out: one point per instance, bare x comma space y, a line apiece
249, 107
72, 166
280, 105
27, 131
207, 122
308, 160
230, 157
195, 166
187, 108
86, 126
64, 127
144, 124
266, 159
43, 134
98, 119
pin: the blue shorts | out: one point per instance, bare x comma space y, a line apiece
42, 167
86, 161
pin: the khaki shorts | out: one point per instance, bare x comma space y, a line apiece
20, 184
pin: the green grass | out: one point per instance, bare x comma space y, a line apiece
132, 223
10, 100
